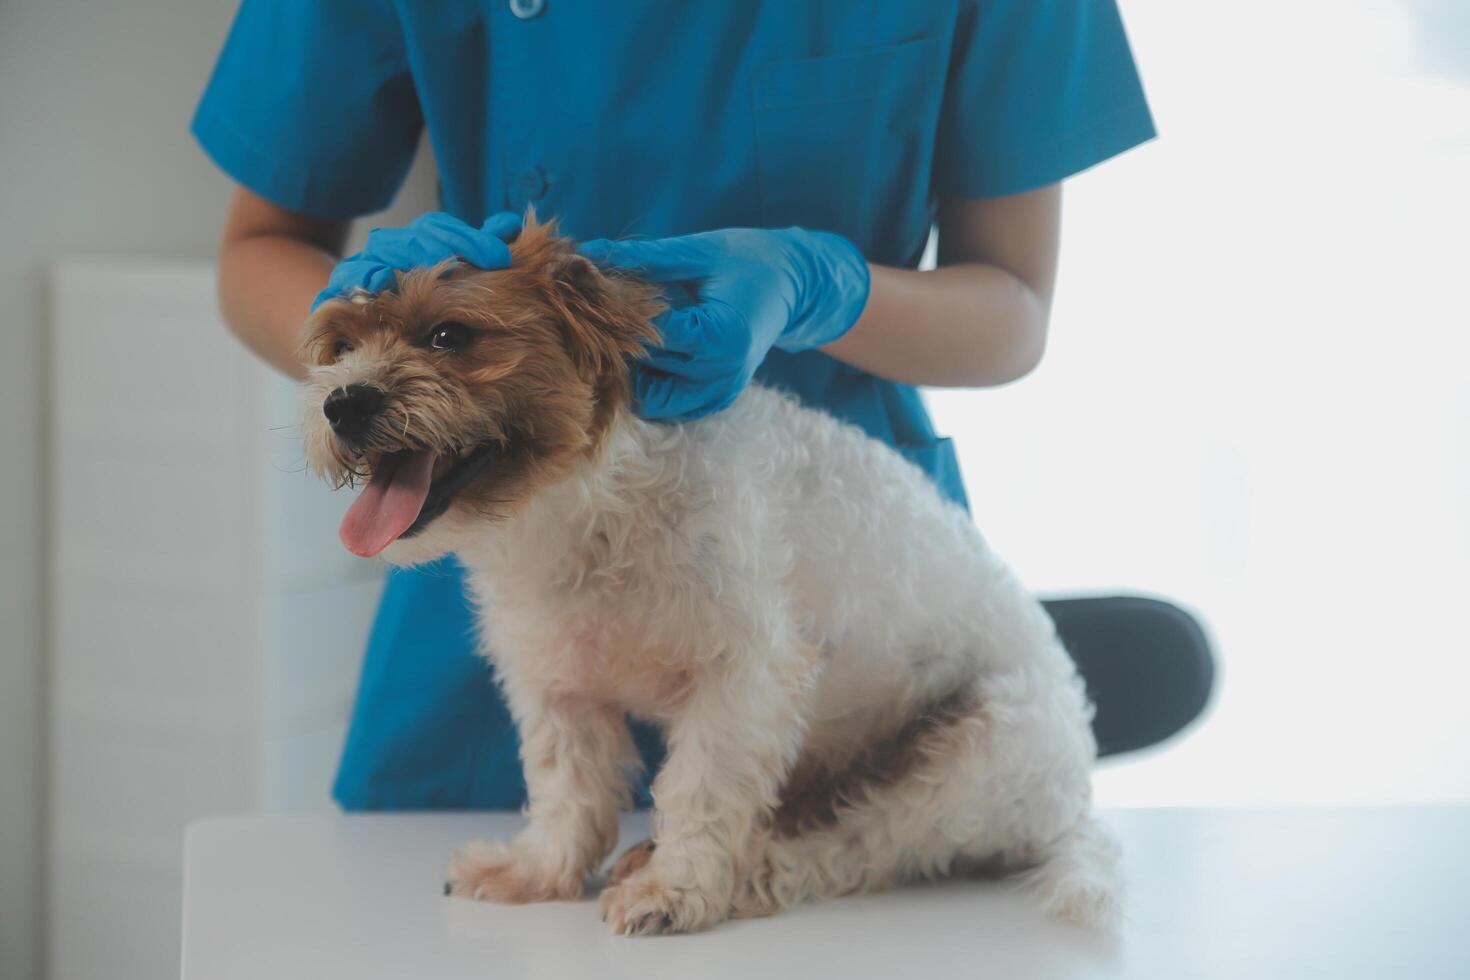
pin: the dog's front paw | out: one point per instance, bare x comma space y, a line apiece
630, 862
496, 872
644, 904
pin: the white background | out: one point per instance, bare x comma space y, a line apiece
1257, 395
1254, 402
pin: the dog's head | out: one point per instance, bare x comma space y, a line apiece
462, 392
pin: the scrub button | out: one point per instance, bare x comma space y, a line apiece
526, 9
532, 182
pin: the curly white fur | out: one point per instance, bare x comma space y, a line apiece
781, 593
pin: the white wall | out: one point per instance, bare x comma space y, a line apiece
1256, 396
202, 653
95, 159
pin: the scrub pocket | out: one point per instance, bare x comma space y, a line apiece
842, 141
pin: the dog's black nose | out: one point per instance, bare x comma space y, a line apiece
351, 410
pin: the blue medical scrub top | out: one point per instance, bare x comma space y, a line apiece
640, 117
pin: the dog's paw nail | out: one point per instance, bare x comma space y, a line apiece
449, 888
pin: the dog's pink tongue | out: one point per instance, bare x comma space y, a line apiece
388, 505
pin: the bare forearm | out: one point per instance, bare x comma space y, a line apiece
981, 317
266, 285
960, 325
272, 263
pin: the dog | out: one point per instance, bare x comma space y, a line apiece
855, 690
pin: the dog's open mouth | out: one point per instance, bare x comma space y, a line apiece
408, 490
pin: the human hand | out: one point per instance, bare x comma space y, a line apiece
426, 241
735, 294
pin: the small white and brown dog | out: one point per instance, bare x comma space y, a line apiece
854, 689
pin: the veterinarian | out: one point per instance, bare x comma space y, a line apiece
854, 128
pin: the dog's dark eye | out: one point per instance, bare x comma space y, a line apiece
340, 347
449, 336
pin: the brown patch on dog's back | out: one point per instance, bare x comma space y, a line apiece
814, 797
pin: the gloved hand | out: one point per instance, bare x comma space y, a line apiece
735, 294
427, 240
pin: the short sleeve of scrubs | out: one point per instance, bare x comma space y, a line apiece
312, 107
1038, 90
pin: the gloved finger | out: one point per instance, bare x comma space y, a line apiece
659, 260
677, 350
714, 330
681, 294
655, 395
426, 241
430, 239
684, 365
676, 332
688, 353
504, 225
356, 273
380, 277
663, 397
400, 248
454, 237
485, 252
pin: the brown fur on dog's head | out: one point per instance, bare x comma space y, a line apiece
540, 378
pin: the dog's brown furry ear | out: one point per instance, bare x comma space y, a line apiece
606, 316
609, 315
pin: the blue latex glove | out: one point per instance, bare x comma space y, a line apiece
735, 294
427, 240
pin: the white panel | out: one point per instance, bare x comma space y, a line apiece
317, 638
157, 693
130, 783
121, 920
188, 658
207, 626
173, 523
301, 765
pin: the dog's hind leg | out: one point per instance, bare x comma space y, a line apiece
961, 789
878, 820
1075, 878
